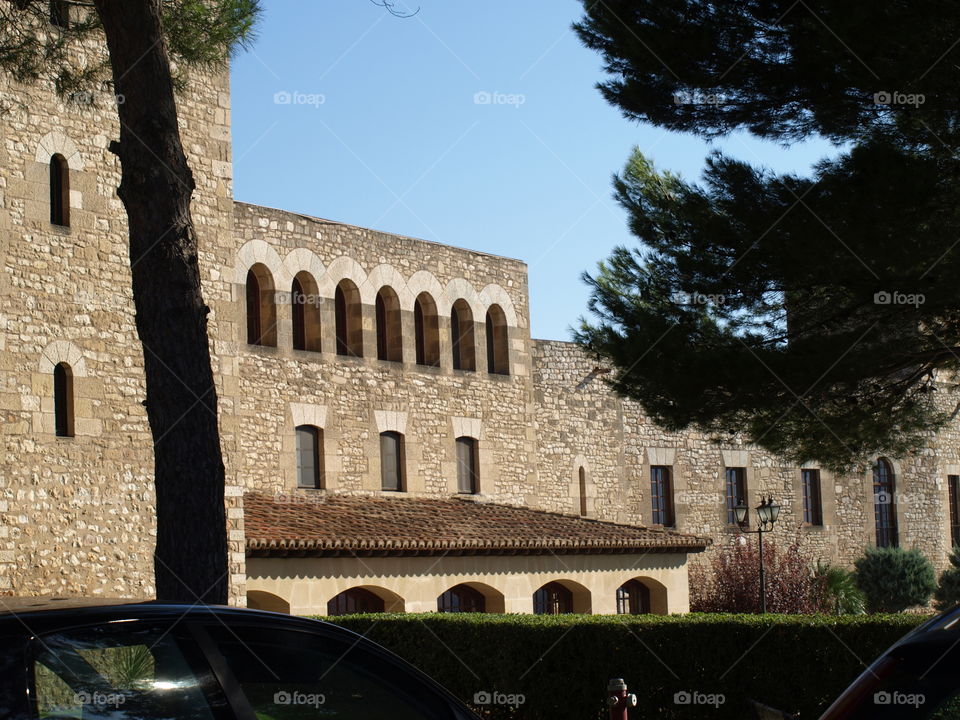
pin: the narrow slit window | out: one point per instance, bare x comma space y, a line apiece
59, 191
63, 400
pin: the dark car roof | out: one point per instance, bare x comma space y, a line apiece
25, 617
21, 615
18, 605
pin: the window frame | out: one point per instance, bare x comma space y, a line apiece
389, 325
887, 531
662, 508
261, 307
472, 483
582, 481
953, 499
401, 480
426, 331
463, 347
498, 341
811, 492
318, 456
735, 484
63, 404
476, 601
627, 599
550, 595
348, 320
59, 191
368, 598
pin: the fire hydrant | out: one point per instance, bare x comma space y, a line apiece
618, 700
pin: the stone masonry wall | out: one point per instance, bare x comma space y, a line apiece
77, 514
580, 422
352, 399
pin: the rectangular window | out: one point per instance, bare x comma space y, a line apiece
661, 495
736, 491
953, 482
391, 461
467, 471
812, 505
309, 457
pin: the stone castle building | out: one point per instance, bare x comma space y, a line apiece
393, 437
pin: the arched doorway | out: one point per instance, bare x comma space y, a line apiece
561, 596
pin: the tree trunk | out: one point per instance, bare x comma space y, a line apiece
190, 561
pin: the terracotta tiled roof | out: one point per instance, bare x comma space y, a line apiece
350, 524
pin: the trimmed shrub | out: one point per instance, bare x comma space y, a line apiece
837, 590
893, 579
561, 664
732, 583
948, 591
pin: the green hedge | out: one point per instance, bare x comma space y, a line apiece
561, 664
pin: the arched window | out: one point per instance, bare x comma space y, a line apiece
426, 327
63, 400
309, 457
633, 598
305, 306
349, 320
389, 333
462, 599
261, 307
582, 478
498, 349
59, 191
468, 466
885, 504
355, 600
552, 599
59, 13
392, 462
461, 337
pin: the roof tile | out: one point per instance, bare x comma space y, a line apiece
343, 524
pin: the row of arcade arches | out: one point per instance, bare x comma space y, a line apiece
636, 596
306, 304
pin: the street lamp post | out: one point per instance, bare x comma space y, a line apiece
767, 513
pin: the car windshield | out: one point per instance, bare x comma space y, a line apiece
288, 674
118, 672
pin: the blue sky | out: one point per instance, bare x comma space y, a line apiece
471, 124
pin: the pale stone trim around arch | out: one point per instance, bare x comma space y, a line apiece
494, 294
63, 351
894, 466
661, 456
305, 260
56, 142
466, 427
387, 275
306, 414
259, 251
424, 281
391, 421
461, 289
346, 268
